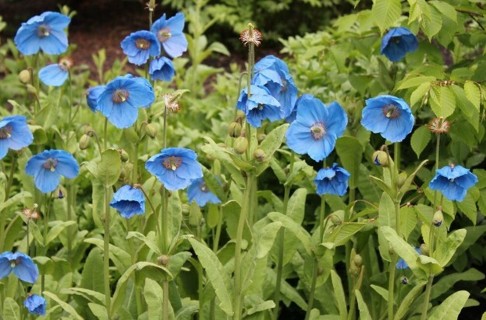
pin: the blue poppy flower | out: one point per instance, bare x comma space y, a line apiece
48, 166
397, 42
259, 106
176, 168
92, 95
139, 45
161, 69
273, 74
453, 181
36, 304
14, 134
20, 264
332, 180
44, 32
129, 201
56, 74
316, 127
169, 33
401, 264
198, 191
122, 98
389, 116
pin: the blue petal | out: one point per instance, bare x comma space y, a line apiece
55, 43
5, 267
175, 46
162, 69
25, 269
123, 116
46, 180
92, 96
176, 23
36, 304
67, 165
53, 75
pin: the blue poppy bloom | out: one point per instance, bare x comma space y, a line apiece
122, 98
332, 180
273, 74
44, 32
20, 264
260, 106
316, 127
389, 116
36, 304
198, 191
139, 45
14, 134
56, 74
161, 69
48, 166
453, 181
401, 264
169, 33
129, 201
397, 42
176, 168
92, 95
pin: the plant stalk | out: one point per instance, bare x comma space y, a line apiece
310, 304
106, 253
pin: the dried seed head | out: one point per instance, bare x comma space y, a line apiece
171, 103
439, 125
251, 35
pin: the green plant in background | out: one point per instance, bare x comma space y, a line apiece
389, 226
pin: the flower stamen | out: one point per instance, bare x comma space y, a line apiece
164, 34
120, 96
50, 164
142, 44
318, 130
391, 111
203, 187
6, 132
172, 163
43, 31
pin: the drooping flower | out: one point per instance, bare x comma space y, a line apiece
48, 166
35, 304
198, 191
56, 74
14, 134
401, 264
332, 180
273, 74
139, 46
169, 33
129, 201
92, 95
176, 168
316, 127
122, 98
389, 116
397, 42
259, 106
44, 32
161, 69
453, 181
20, 264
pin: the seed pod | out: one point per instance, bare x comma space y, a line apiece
380, 158
261, 137
424, 249
123, 155
240, 145
335, 220
84, 142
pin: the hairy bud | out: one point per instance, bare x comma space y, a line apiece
240, 145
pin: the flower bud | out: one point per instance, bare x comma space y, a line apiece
240, 115
335, 219
123, 155
84, 142
240, 145
25, 76
150, 130
234, 129
163, 260
358, 260
404, 280
438, 218
380, 158
261, 137
401, 178
424, 249
259, 155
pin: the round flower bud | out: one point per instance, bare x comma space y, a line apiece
234, 129
163, 260
438, 218
240, 145
240, 115
84, 142
123, 155
424, 249
358, 260
150, 130
259, 155
25, 76
401, 178
380, 158
335, 220
261, 137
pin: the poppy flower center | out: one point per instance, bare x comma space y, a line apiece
260, 106
142, 44
50, 164
284, 85
5, 132
120, 95
65, 64
391, 111
317, 130
172, 163
164, 34
43, 31
203, 187
395, 40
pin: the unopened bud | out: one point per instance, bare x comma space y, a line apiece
335, 219
123, 155
438, 218
424, 249
259, 155
261, 137
358, 260
404, 280
163, 260
25, 76
240, 116
380, 158
150, 130
84, 142
240, 145
402, 177
234, 129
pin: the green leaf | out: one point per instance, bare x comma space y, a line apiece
408, 220
386, 211
473, 94
448, 281
153, 294
14, 200
339, 295
442, 101
295, 228
99, 311
350, 151
404, 306
451, 307
86, 293
414, 81
65, 306
216, 274
296, 205
468, 207
446, 249
92, 278
270, 144
108, 169
420, 139
383, 186
59, 226
364, 313
429, 265
381, 291
385, 13
265, 239
149, 240
446, 9
120, 257
342, 233
11, 310
419, 93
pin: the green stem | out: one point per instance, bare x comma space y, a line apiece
164, 221
391, 286
310, 304
425, 306
69, 217
106, 252
48, 199
165, 300
217, 236
437, 149
105, 134
239, 238
13, 166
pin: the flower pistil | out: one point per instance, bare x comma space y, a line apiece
172, 163
50, 164
120, 96
318, 131
391, 111
5, 132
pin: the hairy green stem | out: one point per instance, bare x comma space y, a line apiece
106, 252
13, 166
310, 303
47, 205
165, 300
69, 217
217, 236
425, 306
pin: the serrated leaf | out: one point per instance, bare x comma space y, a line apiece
420, 139
446, 9
473, 94
451, 307
411, 82
385, 13
442, 101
